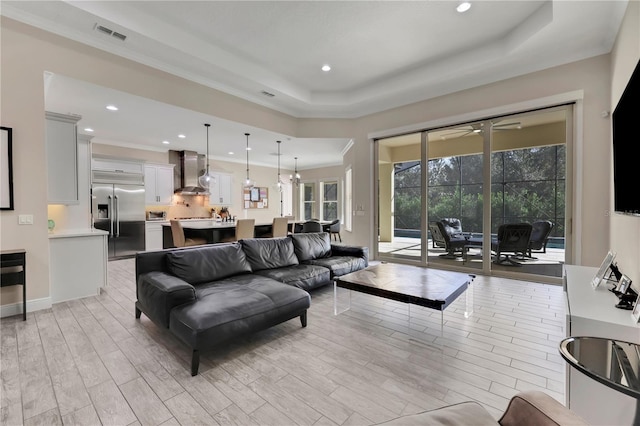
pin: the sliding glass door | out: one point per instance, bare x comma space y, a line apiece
439, 216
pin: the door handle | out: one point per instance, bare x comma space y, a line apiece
110, 215
117, 216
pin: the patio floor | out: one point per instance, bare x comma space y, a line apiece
549, 263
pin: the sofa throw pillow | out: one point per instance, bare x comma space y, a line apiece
269, 253
208, 263
313, 245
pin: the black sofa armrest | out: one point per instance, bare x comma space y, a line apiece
159, 293
355, 251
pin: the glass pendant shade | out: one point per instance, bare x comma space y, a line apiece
248, 183
295, 177
207, 178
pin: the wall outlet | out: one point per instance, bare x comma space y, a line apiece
25, 219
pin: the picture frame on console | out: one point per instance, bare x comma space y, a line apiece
635, 314
624, 284
604, 267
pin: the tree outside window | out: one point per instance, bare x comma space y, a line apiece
329, 200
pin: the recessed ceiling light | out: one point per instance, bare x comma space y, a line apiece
463, 7
326, 68
165, 142
181, 136
112, 107
248, 148
230, 153
88, 129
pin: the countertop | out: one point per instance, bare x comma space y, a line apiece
84, 232
208, 224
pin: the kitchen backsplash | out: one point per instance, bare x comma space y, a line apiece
186, 206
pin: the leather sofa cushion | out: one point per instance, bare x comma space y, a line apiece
234, 306
269, 253
306, 277
208, 263
314, 245
340, 265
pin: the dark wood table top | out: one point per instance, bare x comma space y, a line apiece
432, 288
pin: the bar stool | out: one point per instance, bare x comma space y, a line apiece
178, 236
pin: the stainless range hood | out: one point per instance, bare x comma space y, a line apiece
189, 165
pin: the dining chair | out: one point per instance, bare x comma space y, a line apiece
245, 228
280, 227
311, 226
333, 229
179, 240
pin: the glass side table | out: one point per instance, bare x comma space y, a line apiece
614, 363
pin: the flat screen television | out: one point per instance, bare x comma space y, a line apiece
626, 140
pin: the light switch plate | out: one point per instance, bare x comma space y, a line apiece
25, 219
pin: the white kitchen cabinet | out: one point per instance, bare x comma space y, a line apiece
153, 234
77, 263
220, 191
62, 158
117, 166
592, 312
158, 184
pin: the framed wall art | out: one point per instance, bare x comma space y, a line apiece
6, 169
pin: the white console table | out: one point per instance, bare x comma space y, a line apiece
592, 313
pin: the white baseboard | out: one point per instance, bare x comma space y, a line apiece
32, 305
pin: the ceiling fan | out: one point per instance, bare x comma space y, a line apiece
463, 131
477, 128
515, 125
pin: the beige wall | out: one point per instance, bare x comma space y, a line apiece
27, 53
625, 230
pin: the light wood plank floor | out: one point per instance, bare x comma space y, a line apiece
90, 362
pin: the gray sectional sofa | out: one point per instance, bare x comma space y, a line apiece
207, 294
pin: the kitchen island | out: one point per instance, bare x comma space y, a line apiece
211, 230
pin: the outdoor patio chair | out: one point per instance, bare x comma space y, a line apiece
540, 232
511, 238
452, 226
452, 244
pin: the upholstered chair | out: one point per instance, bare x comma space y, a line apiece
179, 240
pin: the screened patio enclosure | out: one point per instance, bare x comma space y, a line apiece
518, 162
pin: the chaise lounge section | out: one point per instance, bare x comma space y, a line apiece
208, 294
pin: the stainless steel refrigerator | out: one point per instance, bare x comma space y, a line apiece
119, 209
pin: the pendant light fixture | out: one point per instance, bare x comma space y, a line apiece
279, 181
295, 177
247, 182
207, 178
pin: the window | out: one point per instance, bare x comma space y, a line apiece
329, 200
348, 200
308, 200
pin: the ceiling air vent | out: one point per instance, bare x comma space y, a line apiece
264, 92
110, 32
119, 36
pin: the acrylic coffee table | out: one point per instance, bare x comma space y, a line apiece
415, 285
